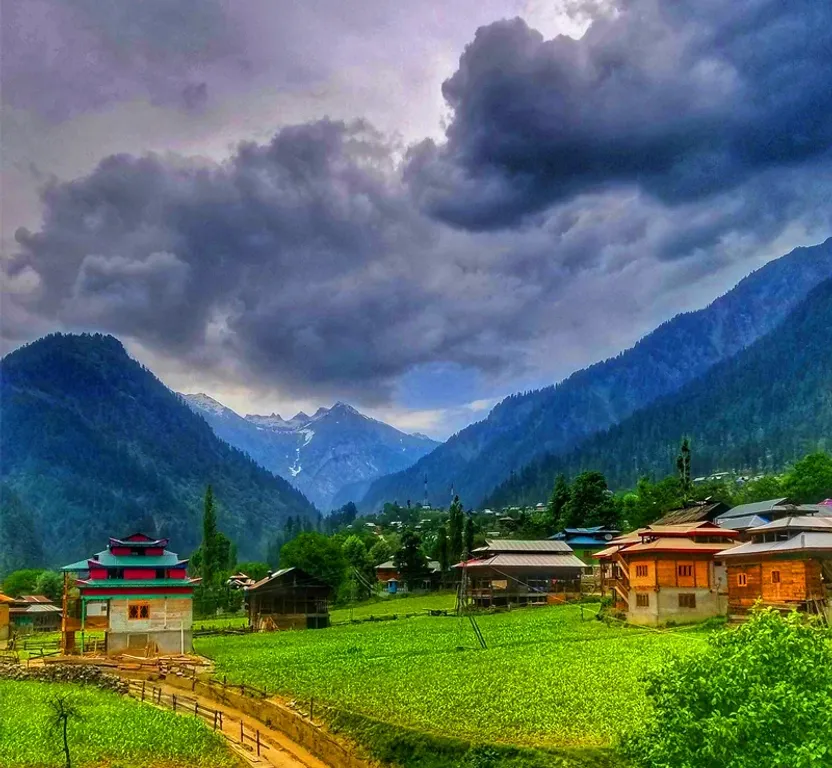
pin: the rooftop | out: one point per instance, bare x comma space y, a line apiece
698, 512
755, 508
815, 541
796, 523
520, 560
540, 546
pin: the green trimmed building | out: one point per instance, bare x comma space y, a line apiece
137, 592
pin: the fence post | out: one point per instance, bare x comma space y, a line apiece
311, 707
174, 702
196, 709
242, 734
221, 728
143, 684
215, 719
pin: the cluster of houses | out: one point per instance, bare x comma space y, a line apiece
702, 561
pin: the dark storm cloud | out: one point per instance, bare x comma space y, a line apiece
65, 57
684, 99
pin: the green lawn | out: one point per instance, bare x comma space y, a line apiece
395, 604
111, 731
547, 678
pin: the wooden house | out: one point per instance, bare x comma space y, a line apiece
136, 591
695, 512
585, 542
667, 573
34, 613
508, 572
786, 564
289, 599
388, 575
5, 604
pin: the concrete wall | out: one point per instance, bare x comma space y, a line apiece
664, 606
168, 625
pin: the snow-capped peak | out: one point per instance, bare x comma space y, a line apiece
206, 403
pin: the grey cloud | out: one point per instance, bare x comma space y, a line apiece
683, 98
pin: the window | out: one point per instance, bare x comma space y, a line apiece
641, 570
775, 577
687, 601
138, 611
642, 598
742, 580
686, 570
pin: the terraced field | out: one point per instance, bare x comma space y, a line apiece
549, 676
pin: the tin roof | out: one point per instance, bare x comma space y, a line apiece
664, 544
797, 523
815, 541
519, 560
106, 559
755, 508
517, 545
35, 608
34, 599
743, 523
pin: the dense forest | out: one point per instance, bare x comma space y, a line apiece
94, 445
525, 427
758, 412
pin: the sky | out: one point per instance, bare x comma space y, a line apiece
416, 208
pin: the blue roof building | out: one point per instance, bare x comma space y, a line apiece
585, 542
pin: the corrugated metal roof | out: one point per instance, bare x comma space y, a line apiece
813, 541
678, 545
540, 546
798, 523
35, 608
755, 508
528, 561
34, 599
683, 529
168, 559
588, 541
743, 523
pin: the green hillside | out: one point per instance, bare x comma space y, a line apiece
94, 445
761, 410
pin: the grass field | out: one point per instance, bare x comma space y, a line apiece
395, 604
547, 678
111, 731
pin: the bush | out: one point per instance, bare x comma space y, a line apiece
760, 697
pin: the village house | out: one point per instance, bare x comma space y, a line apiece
585, 542
509, 572
746, 517
34, 613
289, 599
136, 591
5, 604
706, 511
787, 564
667, 573
388, 575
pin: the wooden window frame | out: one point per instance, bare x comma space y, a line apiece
687, 600
141, 606
742, 579
642, 600
775, 577
642, 571
685, 571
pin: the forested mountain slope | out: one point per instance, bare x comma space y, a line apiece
769, 405
336, 450
93, 445
556, 419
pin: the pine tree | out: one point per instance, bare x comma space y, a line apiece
469, 538
456, 523
209, 539
683, 467
442, 549
410, 561
557, 504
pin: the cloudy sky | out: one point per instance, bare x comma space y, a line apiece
417, 208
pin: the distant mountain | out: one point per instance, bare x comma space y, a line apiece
332, 456
93, 445
556, 419
769, 405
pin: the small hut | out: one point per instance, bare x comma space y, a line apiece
289, 599
34, 613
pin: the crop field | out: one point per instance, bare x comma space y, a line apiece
548, 677
111, 730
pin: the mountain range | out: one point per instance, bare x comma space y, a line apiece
94, 445
767, 406
556, 419
331, 456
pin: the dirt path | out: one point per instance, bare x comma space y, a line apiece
276, 749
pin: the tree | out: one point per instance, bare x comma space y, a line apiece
209, 539
410, 561
456, 523
810, 481
759, 696
558, 503
380, 552
316, 554
254, 569
356, 555
469, 538
683, 468
22, 582
590, 502
21, 544
62, 709
442, 549
50, 584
